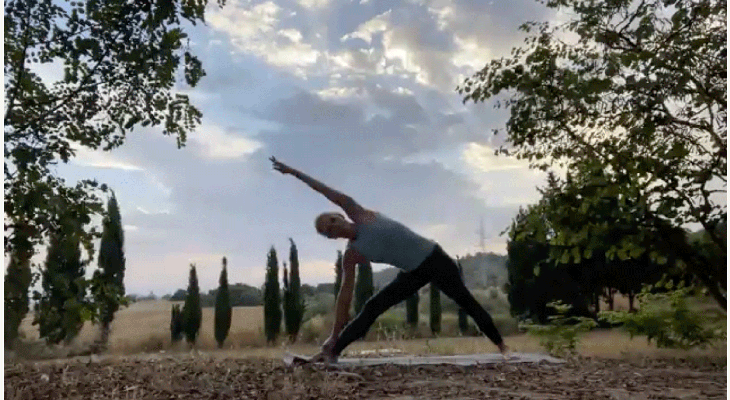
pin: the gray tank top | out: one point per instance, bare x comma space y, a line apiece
386, 241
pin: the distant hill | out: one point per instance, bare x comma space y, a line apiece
481, 270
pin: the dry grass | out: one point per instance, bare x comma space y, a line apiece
144, 327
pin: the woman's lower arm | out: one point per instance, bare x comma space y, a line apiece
333, 195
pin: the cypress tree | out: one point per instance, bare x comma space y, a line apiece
223, 309
176, 324
297, 299
287, 303
108, 282
272, 298
338, 273
192, 312
364, 285
435, 320
60, 307
463, 323
17, 284
412, 310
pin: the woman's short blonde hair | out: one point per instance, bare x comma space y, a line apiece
321, 218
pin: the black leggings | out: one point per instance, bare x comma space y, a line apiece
438, 269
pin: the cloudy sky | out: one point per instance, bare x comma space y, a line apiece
359, 94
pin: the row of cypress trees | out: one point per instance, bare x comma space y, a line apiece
67, 298
186, 321
292, 303
288, 303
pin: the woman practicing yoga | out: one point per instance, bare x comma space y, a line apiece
377, 238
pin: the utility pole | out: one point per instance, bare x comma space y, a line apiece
482, 235
483, 249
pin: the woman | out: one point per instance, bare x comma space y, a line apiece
374, 237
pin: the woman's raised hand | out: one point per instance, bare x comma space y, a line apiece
281, 167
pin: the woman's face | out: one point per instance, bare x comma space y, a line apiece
332, 225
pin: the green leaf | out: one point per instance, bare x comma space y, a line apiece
576, 255
636, 251
587, 253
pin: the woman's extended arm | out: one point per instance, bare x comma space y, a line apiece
342, 200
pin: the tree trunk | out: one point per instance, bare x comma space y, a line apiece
713, 278
715, 290
609, 298
631, 301
105, 334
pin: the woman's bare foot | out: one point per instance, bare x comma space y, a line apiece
505, 350
325, 357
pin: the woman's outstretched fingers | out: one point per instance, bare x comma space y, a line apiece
279, 166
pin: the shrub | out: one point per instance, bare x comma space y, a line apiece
665, 318
176, 324
311, 331
319, 304
560, 336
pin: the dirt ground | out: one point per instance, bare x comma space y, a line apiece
202, 377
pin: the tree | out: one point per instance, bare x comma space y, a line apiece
272, 299
412, 310
338, 273
179, 295
435, 309
364, 285
223, 309
176, 324
60, 307
293, 299
463, 322
287, 303
108, 283
192, 312
17, 284
640, 94
534, 280
120, 61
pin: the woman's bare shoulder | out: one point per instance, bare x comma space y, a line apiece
365, 216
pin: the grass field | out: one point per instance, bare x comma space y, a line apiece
144, 327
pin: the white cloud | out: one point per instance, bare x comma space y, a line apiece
483, 159
313, 3
397, 51
253, 31
292, 34
471, 54
366, 30
155, 180
220, 145
403, 91
145, 211
444, 15
101, 159
335, 92
130, 228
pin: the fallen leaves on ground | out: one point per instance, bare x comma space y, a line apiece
215, 378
